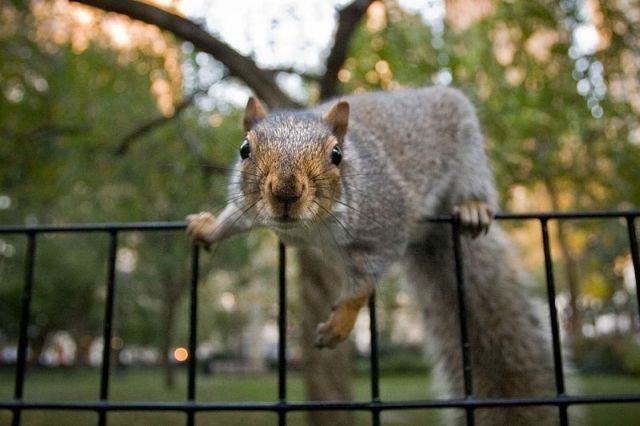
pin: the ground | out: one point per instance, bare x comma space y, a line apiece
147, 385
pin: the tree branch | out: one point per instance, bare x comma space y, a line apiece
243, 67
348, 18
291, 70
152, 125
208, 167
46, 132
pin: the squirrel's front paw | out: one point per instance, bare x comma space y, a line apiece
200, 227
475, 217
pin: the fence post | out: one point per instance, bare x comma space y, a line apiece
633, 243
107, 331
462, 316
193, 331
375, 363
282, 333
553, 316
25, 313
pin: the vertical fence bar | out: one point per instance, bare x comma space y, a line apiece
282, 332
635, 258
375, 363
25, 313
553, 314
193, 331
108, 323
462, 316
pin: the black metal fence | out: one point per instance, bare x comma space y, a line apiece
375, 405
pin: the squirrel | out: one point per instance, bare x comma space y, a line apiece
351, 182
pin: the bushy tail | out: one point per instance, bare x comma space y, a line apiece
510, 351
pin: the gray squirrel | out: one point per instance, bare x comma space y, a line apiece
350, 181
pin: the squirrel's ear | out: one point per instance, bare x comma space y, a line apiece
338, 119
253, 113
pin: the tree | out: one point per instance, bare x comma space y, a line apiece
262, 82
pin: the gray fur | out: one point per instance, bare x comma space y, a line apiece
423, 153
407, 155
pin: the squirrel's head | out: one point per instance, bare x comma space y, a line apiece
291, 163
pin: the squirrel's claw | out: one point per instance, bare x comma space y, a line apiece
327, 336
337, 327
475, 217
200, 227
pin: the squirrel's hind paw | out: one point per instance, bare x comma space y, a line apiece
327, 336
200, 227
337, 327
475, 217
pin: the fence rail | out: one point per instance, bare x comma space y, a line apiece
375, 405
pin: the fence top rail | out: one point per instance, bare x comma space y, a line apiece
321, 405
178, 225
94, 227
552, 215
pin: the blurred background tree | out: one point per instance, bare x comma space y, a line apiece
107, 118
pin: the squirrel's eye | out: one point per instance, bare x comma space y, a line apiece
336, 155
245, 149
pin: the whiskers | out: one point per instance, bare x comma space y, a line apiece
233, 219
325, 192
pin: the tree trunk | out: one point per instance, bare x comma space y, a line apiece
570, 264
37, 346
80, 330
80, 335
327, 372
168, 320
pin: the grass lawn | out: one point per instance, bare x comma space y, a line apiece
146, 385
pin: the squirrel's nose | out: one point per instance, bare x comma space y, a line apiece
286, 197
286, 191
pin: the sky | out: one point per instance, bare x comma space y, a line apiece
284, 33
298, 34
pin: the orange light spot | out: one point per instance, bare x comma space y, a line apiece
181, 354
